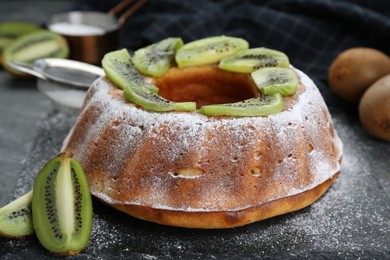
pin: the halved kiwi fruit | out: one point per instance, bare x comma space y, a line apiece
209, 50
119, 68
33, 46
156, 59
16, 218
250, 60
10, 31
276, 80
62, 206
258, 106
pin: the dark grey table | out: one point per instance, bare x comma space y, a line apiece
21, 105
351, 221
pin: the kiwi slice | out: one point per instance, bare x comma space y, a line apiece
260, 106
16, 218
156, 59
250, 60
209, 50
9, 31
121, 61
32, 46
62, 206
273, 80
120, 69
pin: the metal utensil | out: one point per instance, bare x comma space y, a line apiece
75, 74
87, 44
64, 81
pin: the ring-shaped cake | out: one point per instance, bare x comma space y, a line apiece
188, 169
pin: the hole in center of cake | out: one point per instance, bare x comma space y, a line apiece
205, 85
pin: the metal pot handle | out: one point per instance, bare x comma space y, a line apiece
122, 19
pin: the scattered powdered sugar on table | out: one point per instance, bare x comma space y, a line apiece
350, 221
175, 135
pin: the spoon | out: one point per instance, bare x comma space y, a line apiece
64, 81
75, 74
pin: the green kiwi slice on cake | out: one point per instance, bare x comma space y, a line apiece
156, 59
119, 68
253, 59
268, 69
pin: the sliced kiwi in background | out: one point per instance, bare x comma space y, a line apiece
156, 59
258, 106
62, 206
9, 31
250, 60
209, 50
273, 80
33, 46
16, 218
120, 69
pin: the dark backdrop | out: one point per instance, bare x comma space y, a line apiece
310, 32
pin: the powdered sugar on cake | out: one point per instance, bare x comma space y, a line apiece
292, 138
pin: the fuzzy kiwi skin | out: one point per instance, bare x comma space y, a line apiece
374, 109
62, 206
354, 70
16, 218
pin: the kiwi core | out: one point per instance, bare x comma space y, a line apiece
205, 85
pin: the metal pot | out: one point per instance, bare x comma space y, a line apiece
90, 34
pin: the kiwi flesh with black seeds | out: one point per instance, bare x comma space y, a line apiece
274, 79
16, 217
259, 106
209, 50
33, 46
250, 60
119, 68
156, 59
62, 206
10, 31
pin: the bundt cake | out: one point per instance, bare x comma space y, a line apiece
187, 168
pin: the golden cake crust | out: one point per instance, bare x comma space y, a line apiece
190, 170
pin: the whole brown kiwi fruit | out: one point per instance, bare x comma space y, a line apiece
374, 109
354, 70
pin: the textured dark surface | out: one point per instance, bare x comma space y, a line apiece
21, 105
311, 32
351, 221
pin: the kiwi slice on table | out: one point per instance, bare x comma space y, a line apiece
156, 59
273, 80
62, 206
120, 69
250, 60
259, 106
9, 31
16, 218
209, 50
33, 46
